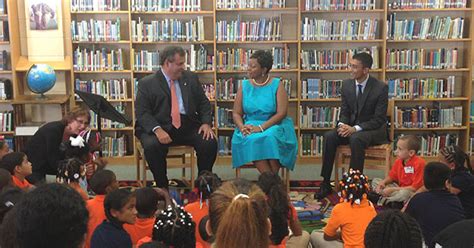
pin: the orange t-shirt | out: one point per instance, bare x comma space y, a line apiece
409, 175
96, 216
21, 184
142, 228
198, 213
353, 220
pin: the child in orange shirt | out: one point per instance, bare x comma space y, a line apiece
206, 183
102, 183
19, 167
351, 216
147, 205
405, 177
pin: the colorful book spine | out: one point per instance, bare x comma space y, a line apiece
95, 5
432, 143
318, 117
314, 88
427, 4
318, 29
250, 4
110, 89
168, 30
237, 59
428, 117
318, 5
422, 88
422, 59
165, 5
311, 144
333, 59
85, 59
431, 28
264, 29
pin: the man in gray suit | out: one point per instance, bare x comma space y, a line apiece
362, 121
171, 109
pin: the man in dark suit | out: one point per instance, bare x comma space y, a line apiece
172, 109
362, 121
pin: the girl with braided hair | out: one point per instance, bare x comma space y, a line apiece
71, 171
461, 179
352, 215
393, 229
206, 184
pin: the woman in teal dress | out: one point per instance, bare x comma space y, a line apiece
264, 136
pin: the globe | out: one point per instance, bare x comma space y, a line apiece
40, 78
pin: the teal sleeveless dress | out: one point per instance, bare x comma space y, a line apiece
277, 142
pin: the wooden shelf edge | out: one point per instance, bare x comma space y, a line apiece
24, 64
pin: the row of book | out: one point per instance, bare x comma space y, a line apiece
314, 88
339, 5
168, 30
318, 29
333, 59
250, 4
311, 144
258, 30
106, 123
432, 28
4, 34
96, 30
111, 89
165, 5
421, 88
428, 117
209, 91
224, 145
4, 61
432, 143
317, 117
471, 146
95, 5
196, 58
6, 121
427, 4
6, 89
237, 59
416, 59
227, 88
224, 117
98, 60
114, 146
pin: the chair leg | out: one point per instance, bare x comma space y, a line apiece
137, 163
336, 169
287, 179
193, 171
144, 171
237, 173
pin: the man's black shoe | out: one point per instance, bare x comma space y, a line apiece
325, 190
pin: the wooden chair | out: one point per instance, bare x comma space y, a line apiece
376, 157
285, 174
179, 157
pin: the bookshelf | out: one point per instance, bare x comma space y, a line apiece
6, 95
294, 43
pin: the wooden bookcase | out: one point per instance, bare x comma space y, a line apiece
292, 17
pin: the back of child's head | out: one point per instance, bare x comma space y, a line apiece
393, 229
413, 142
354, 187
456, 156
8, 199
103, 181
4, 149
5, 179
70, 170
75, 147
278, 201
175, 227
207, 182
435, 175
238, 215
116, 200
12, 160
52, 215
147, 201
8, 235
153, 244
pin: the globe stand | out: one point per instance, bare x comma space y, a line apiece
42, 97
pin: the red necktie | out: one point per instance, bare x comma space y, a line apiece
175, 117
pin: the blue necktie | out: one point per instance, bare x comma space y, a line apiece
359, 94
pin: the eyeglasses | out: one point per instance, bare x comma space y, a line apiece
83, 122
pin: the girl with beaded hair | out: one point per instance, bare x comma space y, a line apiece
350, 217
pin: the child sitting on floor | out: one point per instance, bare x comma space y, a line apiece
70, 172
206, 183
102, 183
6, 180
147, 206
351, 216
461, 180
405, 177
19, 167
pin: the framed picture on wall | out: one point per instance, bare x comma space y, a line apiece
43, 15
